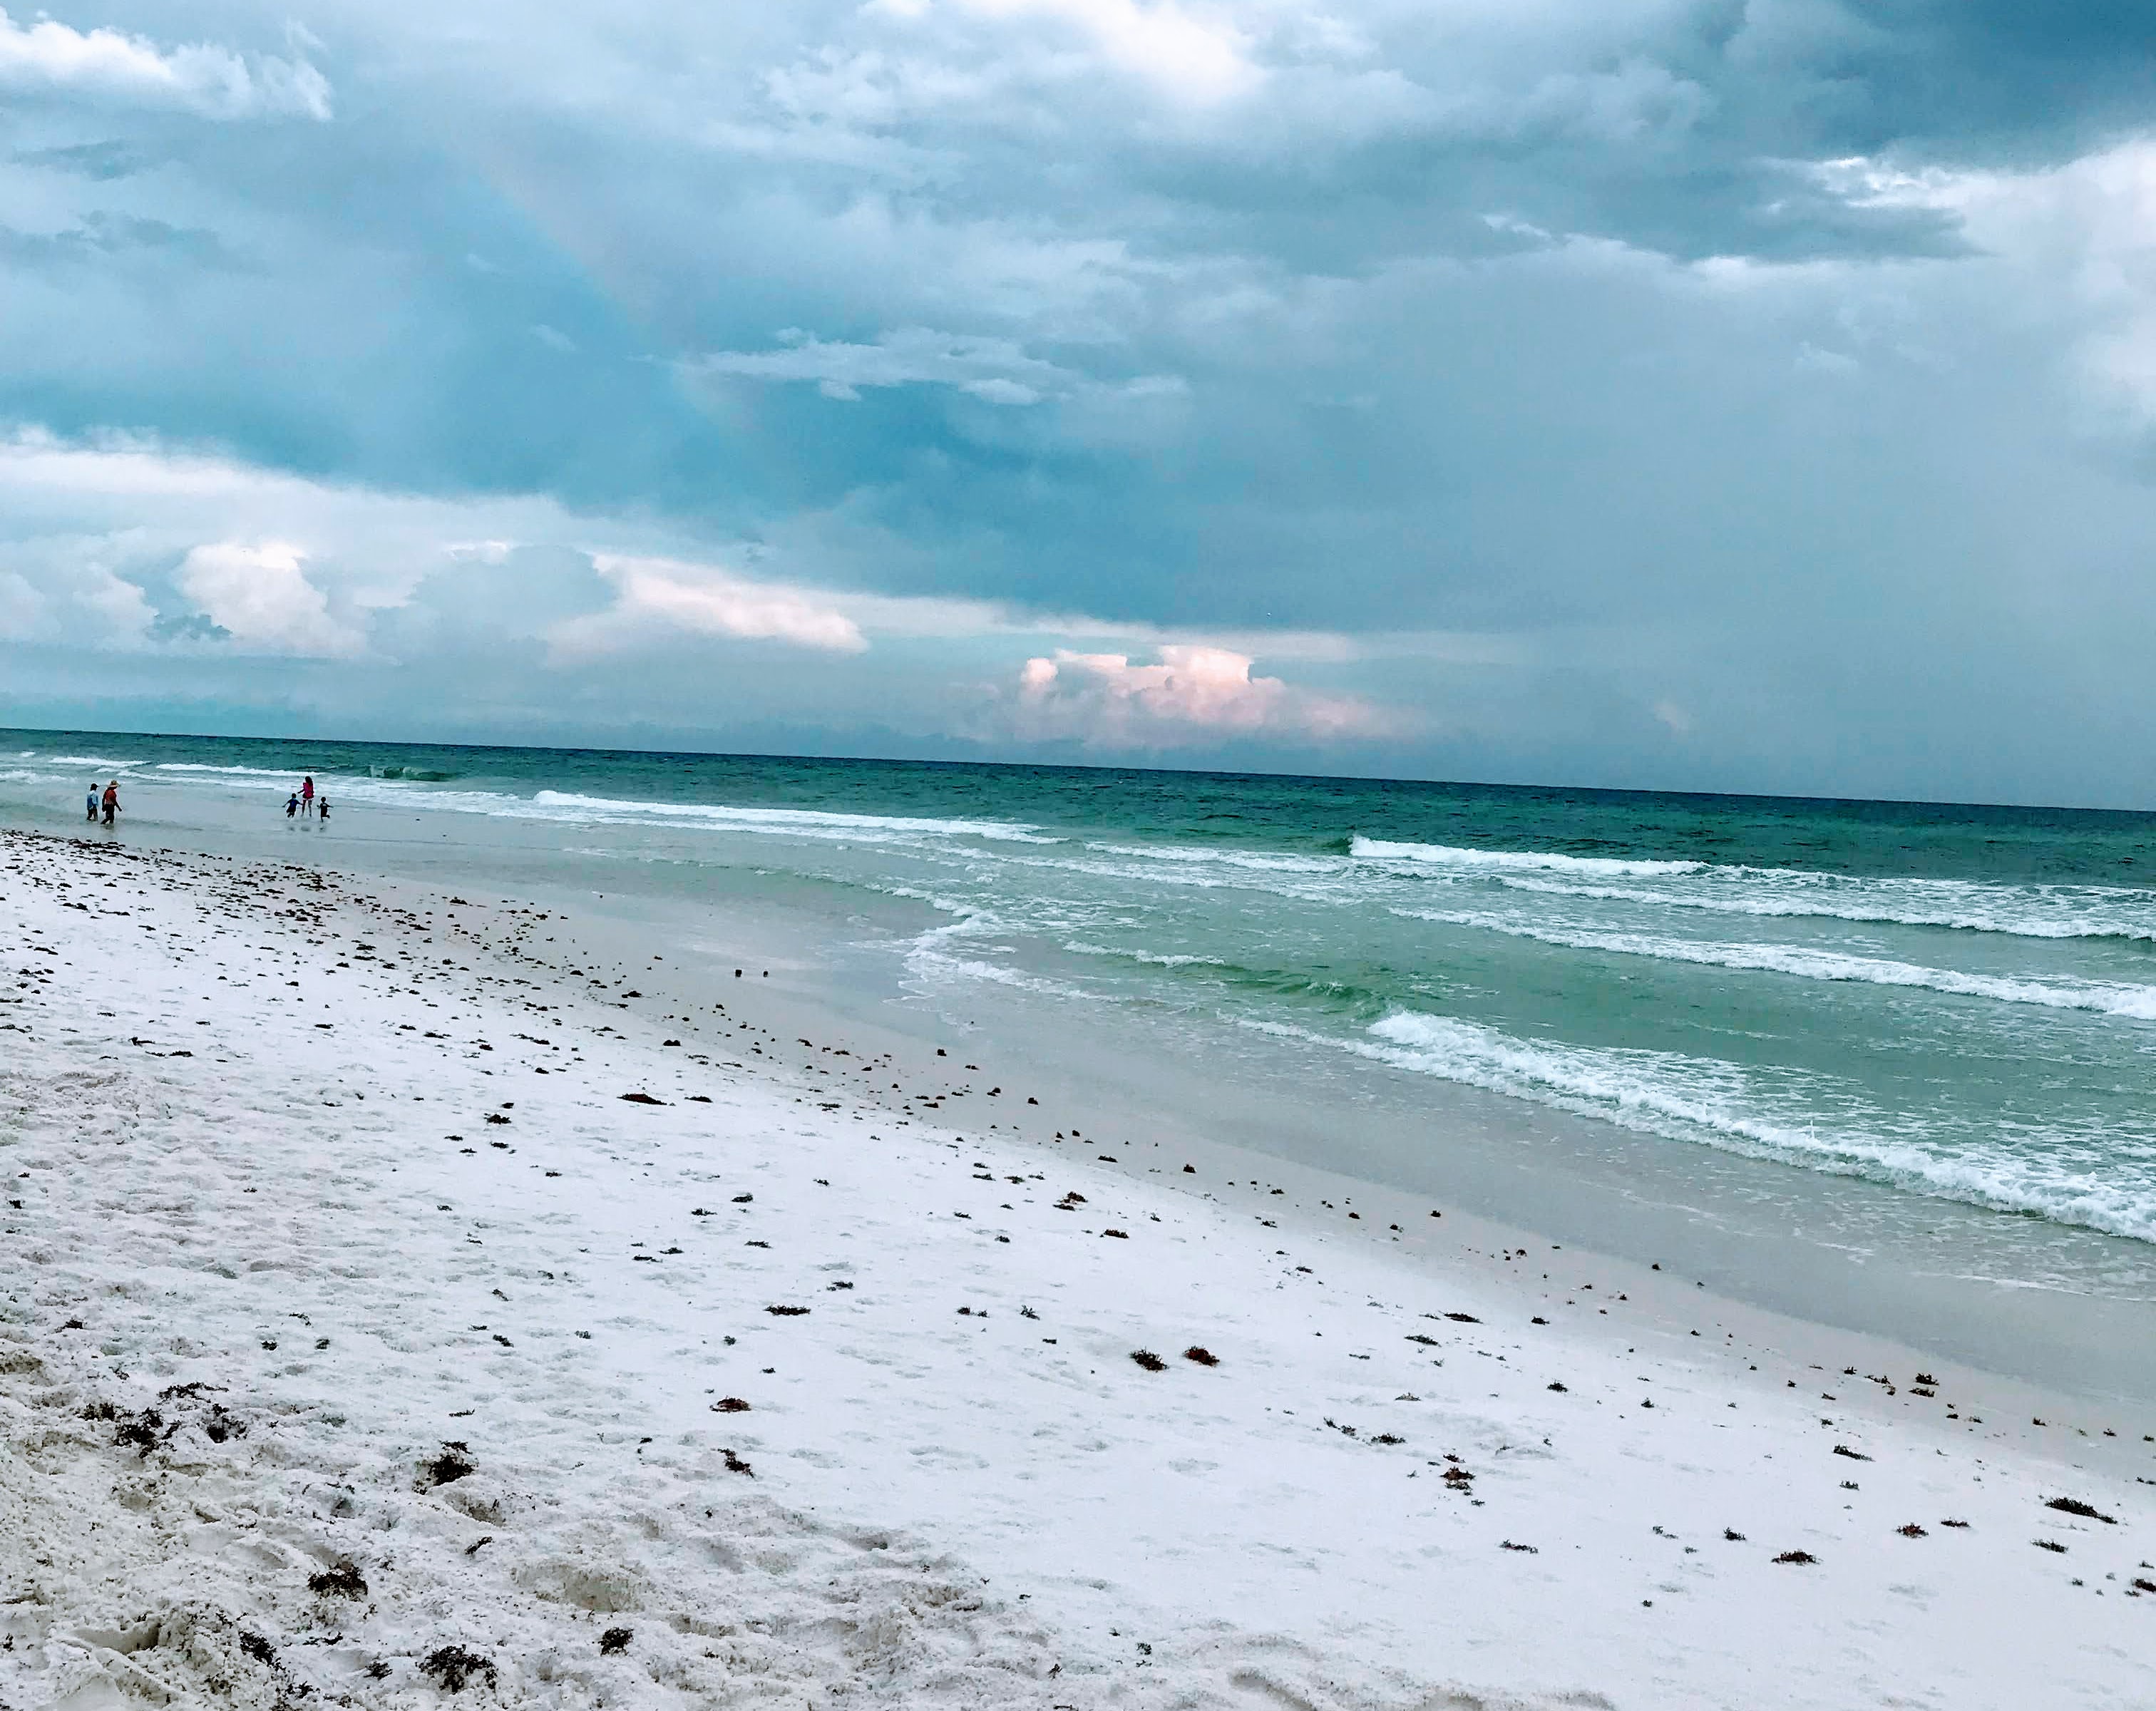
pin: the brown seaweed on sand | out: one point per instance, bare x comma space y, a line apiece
451, 1669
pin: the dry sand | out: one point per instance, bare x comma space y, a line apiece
345, 1356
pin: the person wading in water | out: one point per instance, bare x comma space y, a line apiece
111, 800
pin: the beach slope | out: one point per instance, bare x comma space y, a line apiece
392, 1313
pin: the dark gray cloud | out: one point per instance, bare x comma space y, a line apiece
104, 161
104, 238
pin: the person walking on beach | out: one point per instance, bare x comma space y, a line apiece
111, 800
307, 794
93, 802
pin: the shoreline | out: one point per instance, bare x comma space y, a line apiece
1196, 1502
1498, 1165
2050, 1304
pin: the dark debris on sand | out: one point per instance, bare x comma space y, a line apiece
452, 1464
453, 1669
342, 1580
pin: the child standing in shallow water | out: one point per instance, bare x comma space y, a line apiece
93, 803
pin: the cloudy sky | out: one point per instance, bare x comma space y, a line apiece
1732, 394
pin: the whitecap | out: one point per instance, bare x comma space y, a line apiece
795, 819
2025, 911
1445, 856
1260, 863
1156, 959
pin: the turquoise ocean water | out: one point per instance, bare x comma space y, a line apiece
1957, 1003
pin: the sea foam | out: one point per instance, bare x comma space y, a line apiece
2108, 998
2024, 911
1782, 1113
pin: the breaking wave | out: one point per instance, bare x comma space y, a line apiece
2108, 998
1785, 1114
1445, 856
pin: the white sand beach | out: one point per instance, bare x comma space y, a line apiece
395, 1311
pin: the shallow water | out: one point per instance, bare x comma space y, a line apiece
1949, 1010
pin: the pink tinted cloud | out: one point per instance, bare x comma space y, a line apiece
1195, 694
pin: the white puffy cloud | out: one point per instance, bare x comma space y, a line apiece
261, 594
659, 597
211, 81
1194, 52
87, 526
2073, 246
2084, 236
63, 590
1196, 694
112, 534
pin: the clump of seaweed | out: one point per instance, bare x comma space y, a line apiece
452, 1464
342, 1580
452, 1668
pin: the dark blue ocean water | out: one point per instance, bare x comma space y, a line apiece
1956, 1002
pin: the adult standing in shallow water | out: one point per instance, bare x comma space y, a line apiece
307, 794
111, 800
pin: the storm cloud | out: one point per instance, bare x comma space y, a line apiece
1725, 395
